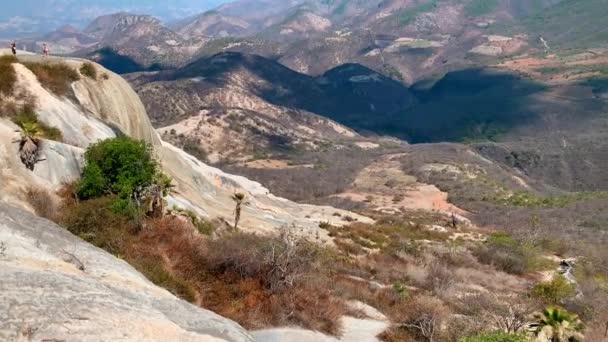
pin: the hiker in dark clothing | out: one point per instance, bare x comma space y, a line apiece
14, 48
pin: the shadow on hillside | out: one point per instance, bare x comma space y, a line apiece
599, 86
121, 64
472, 104
468, 104
465, 105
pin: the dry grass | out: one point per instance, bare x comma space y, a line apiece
419, 318
43, 203
8, 77
264, 281
88, 70
388, 236
56, 77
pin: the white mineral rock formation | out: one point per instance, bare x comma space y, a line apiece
56, 287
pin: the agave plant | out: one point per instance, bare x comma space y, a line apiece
239, 199
29, 144
558, 325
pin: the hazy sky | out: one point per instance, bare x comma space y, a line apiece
19, 17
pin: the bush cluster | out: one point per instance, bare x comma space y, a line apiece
87, 69
509, 254
555, 290
119, 166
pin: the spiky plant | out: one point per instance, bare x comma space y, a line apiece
240, 199
29, 144
558, 325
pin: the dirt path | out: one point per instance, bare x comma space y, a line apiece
385, 187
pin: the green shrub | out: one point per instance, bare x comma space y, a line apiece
88, 70
509, 254
480, 7
8, 77
407, 15
56, 77
529, 200
496, 336
555, 290
203, 226
117, 166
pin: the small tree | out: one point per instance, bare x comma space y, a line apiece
511, 315
425, 317
240, 199
558, 325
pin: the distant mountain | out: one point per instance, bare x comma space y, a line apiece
28, 18
140, 39
407, 40
213, 24
64, 40
265, 104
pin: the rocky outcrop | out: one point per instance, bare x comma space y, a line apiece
56, 287
108, 106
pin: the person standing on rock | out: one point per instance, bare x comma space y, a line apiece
45, 50
14, 48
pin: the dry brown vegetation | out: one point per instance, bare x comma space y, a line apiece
8, 77
88, 70
56, 77
426, 283
42, 202
258, 281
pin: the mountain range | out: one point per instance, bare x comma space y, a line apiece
30, 17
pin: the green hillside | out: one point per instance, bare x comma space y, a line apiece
572, 24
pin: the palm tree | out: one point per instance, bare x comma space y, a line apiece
558, 325
240, 199
29, 144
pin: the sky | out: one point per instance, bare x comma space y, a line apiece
29, 17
